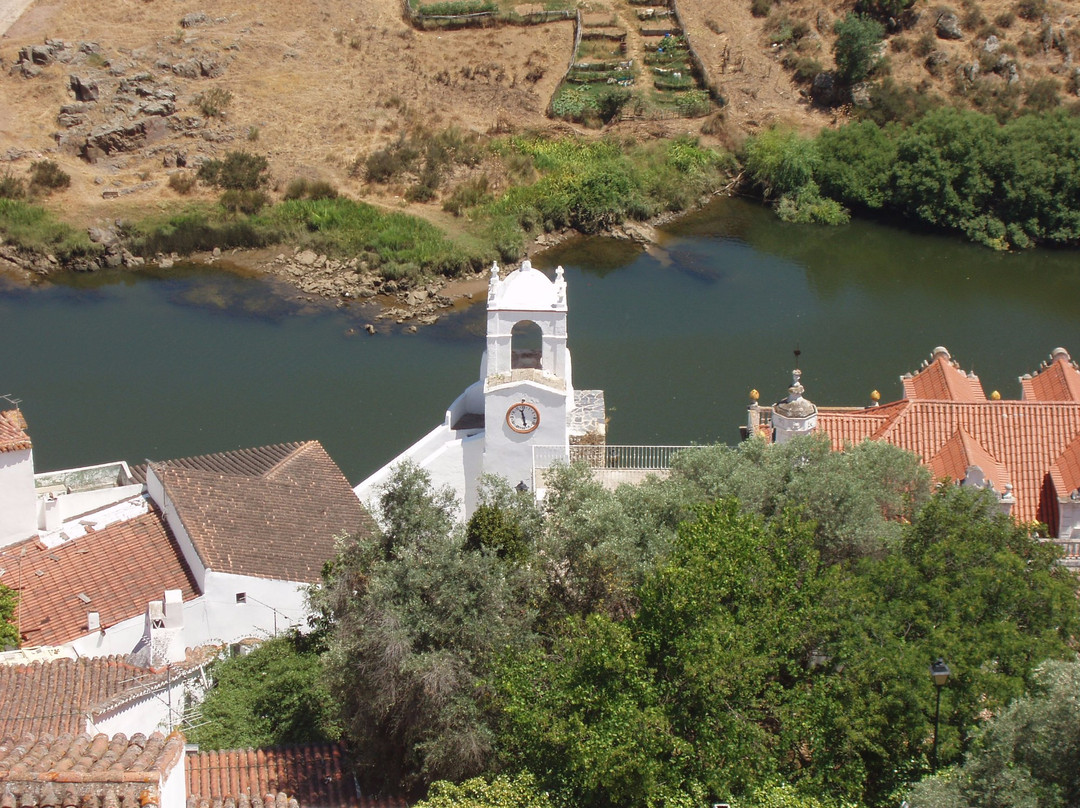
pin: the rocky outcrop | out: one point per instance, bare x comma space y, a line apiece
948, 26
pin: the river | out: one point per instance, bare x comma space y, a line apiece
156, 365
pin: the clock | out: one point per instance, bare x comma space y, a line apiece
523, 418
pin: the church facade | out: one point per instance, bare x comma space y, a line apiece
523, 412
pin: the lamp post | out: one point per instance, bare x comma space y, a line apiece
939, 672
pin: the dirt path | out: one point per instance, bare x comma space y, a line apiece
10, 11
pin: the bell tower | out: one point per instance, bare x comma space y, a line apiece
526, 372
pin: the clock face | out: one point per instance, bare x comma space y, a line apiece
523, 417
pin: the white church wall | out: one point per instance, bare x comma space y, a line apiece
509, 453
271, 607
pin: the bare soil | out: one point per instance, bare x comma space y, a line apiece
317, 86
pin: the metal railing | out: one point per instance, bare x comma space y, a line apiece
630, 458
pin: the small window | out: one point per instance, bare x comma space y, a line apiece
241, 597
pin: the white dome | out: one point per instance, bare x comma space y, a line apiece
527, 289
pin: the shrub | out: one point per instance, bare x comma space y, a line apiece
247, 202
856, 46
183, 182
1043, 95
693, 103
883, 9
46, 176
213, 102
303, 188
803, 68
467, 194
11, 187
760, 8
780, 162
33, 228
1005, 19
239, 171
1032, 10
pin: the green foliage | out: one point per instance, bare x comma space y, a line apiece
519, 791
11, 187
857, 500
32, 228
9, 632
1028, 755
417, 623
856, 48
269, 697
198, 228
303, 188
780, 161
213, 102
808, 206
456, 7
239, 171
46, 176
587, 718
467, 194
246, 202
856, 164
883, 9
344, 227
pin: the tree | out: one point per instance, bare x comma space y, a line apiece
9, 632
520, 791
586, 718
857, 499
271, 696
856, 164
1027, 757
417, 620
857, 46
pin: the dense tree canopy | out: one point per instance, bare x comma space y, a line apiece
755, 629
273, 695
1012, 184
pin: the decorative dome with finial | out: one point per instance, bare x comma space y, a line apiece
795, 406
754, 394
875, 395
995, 396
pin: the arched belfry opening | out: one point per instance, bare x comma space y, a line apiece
526, 345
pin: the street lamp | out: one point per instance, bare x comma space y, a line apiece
939, 672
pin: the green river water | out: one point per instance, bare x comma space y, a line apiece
155, 365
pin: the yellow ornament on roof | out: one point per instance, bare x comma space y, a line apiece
875, 395
995, 396
754, 395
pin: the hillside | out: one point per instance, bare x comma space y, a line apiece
318, 86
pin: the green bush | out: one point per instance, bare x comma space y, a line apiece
780, 161
303, 188
11, 187
856, 48
457, 7
247, 202
239, 171
46, 176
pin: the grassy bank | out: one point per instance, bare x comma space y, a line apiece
33, 229
543, 184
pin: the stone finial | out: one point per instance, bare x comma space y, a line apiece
560, 286
493, 283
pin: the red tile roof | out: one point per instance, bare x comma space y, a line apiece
945, 419
79, 770
55, 697
942, 380
272, 512
13, 437
317, 775
1056, 380
115, 571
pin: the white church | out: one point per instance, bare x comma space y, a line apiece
523, 413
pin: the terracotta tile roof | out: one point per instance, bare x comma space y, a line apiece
80, 770
960, 453
942, 380
115, 571
317, 775
13, 437
55, 697
1065, 473
270, 512
1056, 380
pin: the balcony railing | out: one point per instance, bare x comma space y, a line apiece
1070, 552
611, 465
